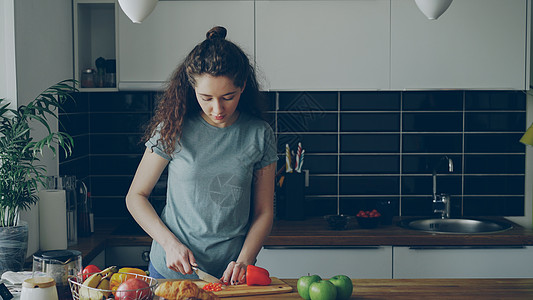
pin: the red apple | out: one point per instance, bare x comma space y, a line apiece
134, 289
89, 270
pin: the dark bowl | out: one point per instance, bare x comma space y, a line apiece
338, 222
368, 222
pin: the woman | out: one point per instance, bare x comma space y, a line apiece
221, 166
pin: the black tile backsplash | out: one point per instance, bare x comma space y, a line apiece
107, 129
308, 101
495, 100
432, 122
307, 122
369, 164
494, 121
493, 206
363, 148
314, 143
493, 143
425, 163
369, 185
320, 164
370, 143
370, 122
127, 123
370, 101
432, 143
433, 101
494, 164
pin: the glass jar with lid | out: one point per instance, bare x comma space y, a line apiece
87, 78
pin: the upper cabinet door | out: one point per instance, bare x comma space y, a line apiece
323, 45
149, 52
475, 44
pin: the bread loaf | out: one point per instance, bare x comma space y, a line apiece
183, 290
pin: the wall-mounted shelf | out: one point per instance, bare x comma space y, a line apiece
95, 36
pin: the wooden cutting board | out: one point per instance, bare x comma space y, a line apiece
276, 287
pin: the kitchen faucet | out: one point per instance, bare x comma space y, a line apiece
441, 203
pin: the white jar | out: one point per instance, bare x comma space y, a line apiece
39, 288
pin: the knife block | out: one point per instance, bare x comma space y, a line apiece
290, 197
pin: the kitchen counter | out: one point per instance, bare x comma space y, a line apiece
456, 289
313, 232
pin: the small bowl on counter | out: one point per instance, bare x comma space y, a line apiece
338, 222
368, 219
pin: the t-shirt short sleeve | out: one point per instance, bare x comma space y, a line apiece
269, 149
157, 146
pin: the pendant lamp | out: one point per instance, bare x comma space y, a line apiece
137, 10
527, 138
433, 9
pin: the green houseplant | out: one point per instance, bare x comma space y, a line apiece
20, 171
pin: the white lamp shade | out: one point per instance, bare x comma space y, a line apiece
433, 9
137, 10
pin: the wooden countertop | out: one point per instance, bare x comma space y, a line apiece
314, 232
456, 289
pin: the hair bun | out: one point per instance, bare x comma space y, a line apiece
217, 32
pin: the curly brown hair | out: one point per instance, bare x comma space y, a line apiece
215, 56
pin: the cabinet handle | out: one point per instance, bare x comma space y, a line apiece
145, 256
323, 247
463, 247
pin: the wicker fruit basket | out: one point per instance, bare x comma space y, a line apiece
81, 292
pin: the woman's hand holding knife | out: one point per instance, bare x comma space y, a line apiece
180, 259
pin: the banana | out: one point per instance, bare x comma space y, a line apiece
93, 280
92, 287
104, 285
112, 269
87, 289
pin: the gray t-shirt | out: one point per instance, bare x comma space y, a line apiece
209, 189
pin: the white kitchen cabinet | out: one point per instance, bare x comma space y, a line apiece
323, 45
475, 44
94, 37
456, 262
149, 52
355, 262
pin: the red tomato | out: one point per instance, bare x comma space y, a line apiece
89, 270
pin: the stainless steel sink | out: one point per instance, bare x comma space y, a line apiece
456, 226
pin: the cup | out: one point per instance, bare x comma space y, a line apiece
294, 194
42, 288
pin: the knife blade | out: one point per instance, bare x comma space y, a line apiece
205, 276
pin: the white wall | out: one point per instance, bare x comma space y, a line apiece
7, 52
44, 56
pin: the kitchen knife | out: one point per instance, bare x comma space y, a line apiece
205, 276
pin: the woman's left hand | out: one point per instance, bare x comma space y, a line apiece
235, 273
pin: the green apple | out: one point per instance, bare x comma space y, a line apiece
304, 283
322, 290
344, 286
